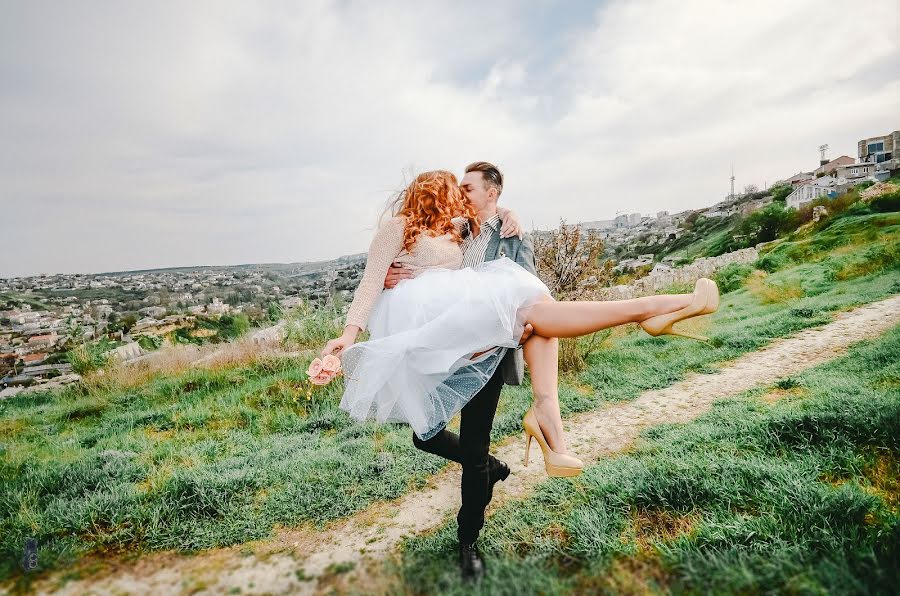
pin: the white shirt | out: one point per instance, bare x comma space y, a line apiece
475, 247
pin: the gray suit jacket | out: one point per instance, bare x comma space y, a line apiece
522, 252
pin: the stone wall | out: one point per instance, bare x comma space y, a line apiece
688, 274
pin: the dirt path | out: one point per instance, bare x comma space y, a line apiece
307, 561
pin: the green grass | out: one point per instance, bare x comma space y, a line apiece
825, 241
790, 489
204, 459
211, 458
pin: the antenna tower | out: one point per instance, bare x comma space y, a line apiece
732, 182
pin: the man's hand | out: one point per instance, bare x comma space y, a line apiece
529, 330
510, 225
396, 274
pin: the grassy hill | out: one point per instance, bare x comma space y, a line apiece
198, 458
708, 237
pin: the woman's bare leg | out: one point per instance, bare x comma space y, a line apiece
552, 319
576, 318
542, 356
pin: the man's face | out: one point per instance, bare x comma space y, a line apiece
473, 187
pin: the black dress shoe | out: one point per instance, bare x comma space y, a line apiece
470, 562
498, 471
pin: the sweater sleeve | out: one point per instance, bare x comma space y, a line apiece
386, 246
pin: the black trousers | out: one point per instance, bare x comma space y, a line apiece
470, 448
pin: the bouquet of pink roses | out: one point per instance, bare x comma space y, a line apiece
322, 371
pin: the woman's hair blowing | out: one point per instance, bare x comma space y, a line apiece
429, 204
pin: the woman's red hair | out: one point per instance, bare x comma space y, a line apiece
429, 204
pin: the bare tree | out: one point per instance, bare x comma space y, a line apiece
569, 262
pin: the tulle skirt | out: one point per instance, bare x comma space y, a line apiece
418, 365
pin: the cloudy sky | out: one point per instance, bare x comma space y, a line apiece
152, 134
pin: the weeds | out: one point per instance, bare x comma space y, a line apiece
309, 328
773, 291
878, 258
732, 277
87, 358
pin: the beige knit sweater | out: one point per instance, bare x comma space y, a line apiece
387, 247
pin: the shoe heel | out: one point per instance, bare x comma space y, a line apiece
527, 446
674, 331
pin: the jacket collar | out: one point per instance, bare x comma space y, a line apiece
493, 223
490, 252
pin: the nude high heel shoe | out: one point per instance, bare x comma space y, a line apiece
705, 301
557, 464
712, 297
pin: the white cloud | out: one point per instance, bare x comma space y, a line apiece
138, 135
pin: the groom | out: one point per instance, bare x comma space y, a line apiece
482, 186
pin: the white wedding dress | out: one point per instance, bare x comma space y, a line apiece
418, 366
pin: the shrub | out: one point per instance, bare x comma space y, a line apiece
274, 312
183, 335
835, 207
569, 264
309, 327
768, 223
150, 342
788, 383
771, 261
886, 203
780, 193
87, 358
731, 277
574, 352
233, 326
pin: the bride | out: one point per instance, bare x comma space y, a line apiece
435, 339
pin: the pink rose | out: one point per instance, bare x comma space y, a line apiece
331, 363
315, 367
321, 379
323, 371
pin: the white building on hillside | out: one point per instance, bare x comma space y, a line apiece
217, 307
856, 170
810, 191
